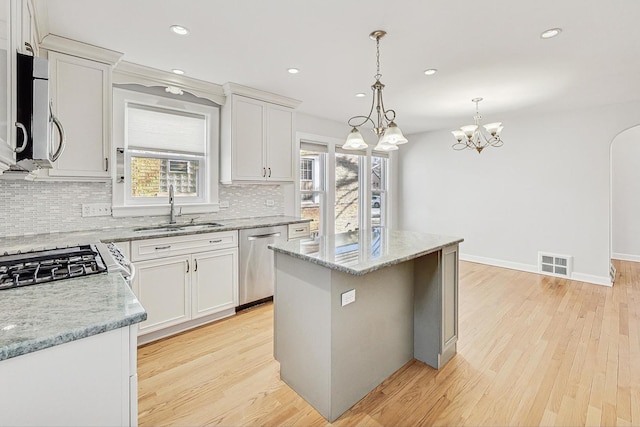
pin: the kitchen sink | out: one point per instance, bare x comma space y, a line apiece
170, 228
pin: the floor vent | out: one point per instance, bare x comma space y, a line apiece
554, 264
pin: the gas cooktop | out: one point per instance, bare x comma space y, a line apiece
35, 267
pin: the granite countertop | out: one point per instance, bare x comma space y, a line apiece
119, 234
364, 251
40, 316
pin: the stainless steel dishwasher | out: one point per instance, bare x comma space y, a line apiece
257, 274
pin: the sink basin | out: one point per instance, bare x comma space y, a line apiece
171, 228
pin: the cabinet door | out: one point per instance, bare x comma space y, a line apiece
7, 156
81, 94
279, 158
214, 282
248, 139
162, 286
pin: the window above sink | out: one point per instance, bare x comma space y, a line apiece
162, 142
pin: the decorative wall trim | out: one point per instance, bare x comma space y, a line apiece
580, 277
130, 73
625, 257
82, 50
234, 88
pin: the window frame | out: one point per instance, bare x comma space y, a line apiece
319, 194
327, 225
208, 175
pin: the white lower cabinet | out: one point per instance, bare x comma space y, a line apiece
86, 382
162, 286
214, 282
185, 281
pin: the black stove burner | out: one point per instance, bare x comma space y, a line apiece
30, 268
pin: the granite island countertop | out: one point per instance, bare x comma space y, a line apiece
40, 316
361, 252
37, 242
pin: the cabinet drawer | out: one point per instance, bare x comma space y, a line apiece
180, 245
298, 231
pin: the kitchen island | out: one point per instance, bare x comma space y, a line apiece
351, 309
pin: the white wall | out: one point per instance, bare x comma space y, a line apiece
547, 189
319, 126
625, 187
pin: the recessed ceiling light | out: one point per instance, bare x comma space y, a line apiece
430, 72
177, 71
179, 29
360, 95
293, 70
550, 33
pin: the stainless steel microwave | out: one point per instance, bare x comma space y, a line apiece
35, 119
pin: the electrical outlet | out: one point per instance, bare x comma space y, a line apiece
270, 202
224, 205
348, 297
96, 209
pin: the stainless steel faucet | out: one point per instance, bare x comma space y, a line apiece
172, 213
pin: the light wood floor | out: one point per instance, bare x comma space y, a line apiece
533, 350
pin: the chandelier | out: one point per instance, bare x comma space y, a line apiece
476, 137
389, 134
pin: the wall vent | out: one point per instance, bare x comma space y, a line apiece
555, 264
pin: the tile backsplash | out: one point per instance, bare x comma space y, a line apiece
28, 207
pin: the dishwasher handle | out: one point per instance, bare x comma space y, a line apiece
263, 236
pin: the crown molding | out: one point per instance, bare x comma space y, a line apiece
83, 50
130, 73
237, 89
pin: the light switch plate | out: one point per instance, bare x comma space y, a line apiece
348, 297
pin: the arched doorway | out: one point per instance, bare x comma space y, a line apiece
625, 195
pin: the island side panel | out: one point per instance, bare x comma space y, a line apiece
436, 306
302, 325
373, 336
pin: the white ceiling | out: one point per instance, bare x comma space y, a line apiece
482, 48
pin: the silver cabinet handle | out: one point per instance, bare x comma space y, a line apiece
269, 172
63, 140
264, 172
196, 268
215, 241
158, 248
263, 236
25, 138
187, 266
299, 229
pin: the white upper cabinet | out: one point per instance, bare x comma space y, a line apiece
258, 136
17, 29
29, 27
81, 98
80, 93
7, 86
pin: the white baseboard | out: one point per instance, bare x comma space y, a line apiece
625, 257
529, 268
499, 263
